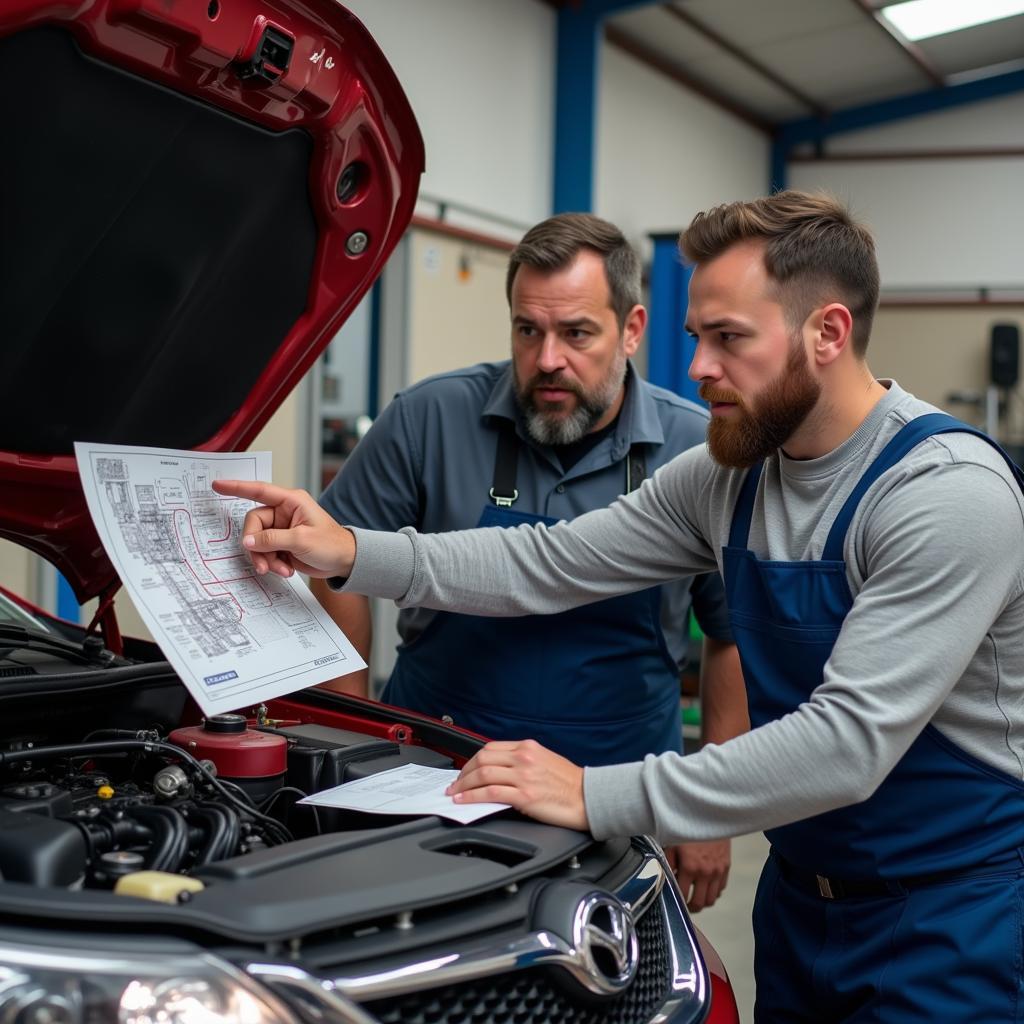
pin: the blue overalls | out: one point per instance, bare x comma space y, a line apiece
910, 905
597, 683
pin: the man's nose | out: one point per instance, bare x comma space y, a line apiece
703, 366
551, 356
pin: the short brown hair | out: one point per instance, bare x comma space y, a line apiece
813, 247
554, 243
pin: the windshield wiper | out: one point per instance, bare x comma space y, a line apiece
20, 638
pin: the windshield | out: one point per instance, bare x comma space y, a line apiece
12, 614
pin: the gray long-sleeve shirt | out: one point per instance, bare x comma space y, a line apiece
934, 559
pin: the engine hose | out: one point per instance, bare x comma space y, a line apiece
222, 831
170, 836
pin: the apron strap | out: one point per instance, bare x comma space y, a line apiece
742, 514
506, 464
911, 435
506, 458
636, 467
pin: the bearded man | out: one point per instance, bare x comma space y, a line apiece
565, 426
872, 549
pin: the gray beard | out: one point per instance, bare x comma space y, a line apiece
549, 429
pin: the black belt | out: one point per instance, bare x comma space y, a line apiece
830, 888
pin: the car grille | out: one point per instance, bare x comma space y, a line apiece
535, 978
533, 997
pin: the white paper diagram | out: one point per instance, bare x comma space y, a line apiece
234, 637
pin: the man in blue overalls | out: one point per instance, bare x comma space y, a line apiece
873, 554
565, 426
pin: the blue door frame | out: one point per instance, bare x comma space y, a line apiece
669, 348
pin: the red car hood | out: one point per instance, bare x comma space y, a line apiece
194, 195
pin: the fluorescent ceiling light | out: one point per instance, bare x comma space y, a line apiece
919, 19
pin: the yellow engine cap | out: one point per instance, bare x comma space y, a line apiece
156, 885
105, 792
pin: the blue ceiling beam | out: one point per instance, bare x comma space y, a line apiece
811, 129
578, 53
817, 130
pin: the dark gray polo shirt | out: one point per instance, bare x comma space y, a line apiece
428, 462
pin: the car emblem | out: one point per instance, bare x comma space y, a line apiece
605, 939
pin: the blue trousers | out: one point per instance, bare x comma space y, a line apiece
949, 952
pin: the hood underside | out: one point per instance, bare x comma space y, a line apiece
194, 197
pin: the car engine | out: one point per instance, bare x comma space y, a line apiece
118, 801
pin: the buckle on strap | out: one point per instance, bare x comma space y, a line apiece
501, 501
825, 887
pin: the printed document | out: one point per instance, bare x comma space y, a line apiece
411, 789
235, 638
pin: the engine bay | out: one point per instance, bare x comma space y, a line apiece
89, 813
121, 804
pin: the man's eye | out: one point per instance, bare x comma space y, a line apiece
727, 335
527, 331
577, 334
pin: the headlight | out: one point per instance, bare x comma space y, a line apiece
63, 986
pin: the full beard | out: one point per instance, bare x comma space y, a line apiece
751, 434
550, 426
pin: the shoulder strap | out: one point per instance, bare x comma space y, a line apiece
506, 460
636, 467
909, 436
741, 516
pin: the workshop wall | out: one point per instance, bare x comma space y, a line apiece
934, 352
19, 570
480, 77
664, 153
945, 228
939, 223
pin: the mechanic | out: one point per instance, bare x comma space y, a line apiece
563, 427
873, 555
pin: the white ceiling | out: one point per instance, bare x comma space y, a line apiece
779, 60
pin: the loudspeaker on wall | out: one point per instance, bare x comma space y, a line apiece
1004, 355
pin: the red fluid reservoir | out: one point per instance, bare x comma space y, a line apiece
238, 751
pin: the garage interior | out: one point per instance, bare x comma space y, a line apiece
646, 113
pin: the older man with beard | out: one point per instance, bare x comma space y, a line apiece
873, 554
565, 426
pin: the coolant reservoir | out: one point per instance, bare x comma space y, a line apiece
254, 760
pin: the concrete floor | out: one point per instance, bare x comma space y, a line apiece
727, 923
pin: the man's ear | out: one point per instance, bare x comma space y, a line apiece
633, 329
832, 331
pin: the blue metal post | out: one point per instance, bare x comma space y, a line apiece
578, 53
67, 603
669, 348
373, 363
779, 170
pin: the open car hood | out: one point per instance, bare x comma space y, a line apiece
194, 195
